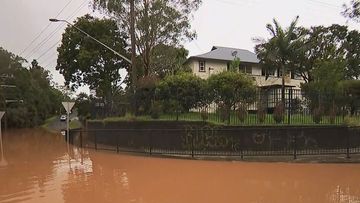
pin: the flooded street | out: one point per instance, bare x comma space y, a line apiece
40, 170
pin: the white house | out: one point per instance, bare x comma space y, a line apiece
219, 59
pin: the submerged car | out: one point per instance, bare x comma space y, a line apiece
63, 118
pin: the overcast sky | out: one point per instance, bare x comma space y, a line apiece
26, 31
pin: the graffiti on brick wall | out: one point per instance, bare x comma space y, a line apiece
206, 137
212, 137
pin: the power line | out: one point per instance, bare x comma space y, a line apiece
48, 37
43, 42
43, 30
49, 57
232, 3
326, 3
52, 61
45, 52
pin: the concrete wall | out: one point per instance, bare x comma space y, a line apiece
203, 136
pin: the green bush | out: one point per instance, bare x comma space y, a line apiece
144, 95
156, 109
184, 88
317, 115
332, 115
242, 113
224, 112
230, 88
279, 112
204, 115
261, 113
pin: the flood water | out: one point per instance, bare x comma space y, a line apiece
40, 170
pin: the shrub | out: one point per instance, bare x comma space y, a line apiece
145, 92
184, 88
332, 114
122, 112
317, 115
279, 112
242, 113
224, 112
156, 110
204, 115
230, 88
261, 113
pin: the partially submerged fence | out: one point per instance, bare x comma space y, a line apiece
230, 142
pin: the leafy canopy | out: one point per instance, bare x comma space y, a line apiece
157, 23
230, 88
184, 88
33, 99
82, 61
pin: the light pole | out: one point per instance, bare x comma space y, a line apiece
106, 46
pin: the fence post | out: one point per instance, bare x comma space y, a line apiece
241, 151
95, 140
192, 145
348, 144
117, 144
81, 138
150, 139
289, 105
295, 140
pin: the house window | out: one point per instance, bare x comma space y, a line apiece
269, 72
202, 66
295, 76
245, 69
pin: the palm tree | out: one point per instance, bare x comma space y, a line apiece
277, 52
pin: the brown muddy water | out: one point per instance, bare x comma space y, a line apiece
40, 170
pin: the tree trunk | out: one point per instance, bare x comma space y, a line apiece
133, 48
283, 85
147, 36
133, 56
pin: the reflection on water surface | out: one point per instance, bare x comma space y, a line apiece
40, 170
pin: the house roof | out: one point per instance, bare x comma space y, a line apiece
228, 54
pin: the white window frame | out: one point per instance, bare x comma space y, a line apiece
202, 66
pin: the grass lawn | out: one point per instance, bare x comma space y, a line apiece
251, 119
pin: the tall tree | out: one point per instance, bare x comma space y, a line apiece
352, 10
168, 60
278, 50
29, 99
82, 61
156, 22
352, 55
317, 44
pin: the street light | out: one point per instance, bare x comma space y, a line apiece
106, 46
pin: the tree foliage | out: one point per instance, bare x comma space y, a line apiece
352, 55
82, 61
352, 10
229, 88
351, 92
31, 98
276, 52
157, 23
184, 89
326, 89
235, 64
168, 60
318, 43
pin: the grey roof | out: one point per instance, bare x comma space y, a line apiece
228, 54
